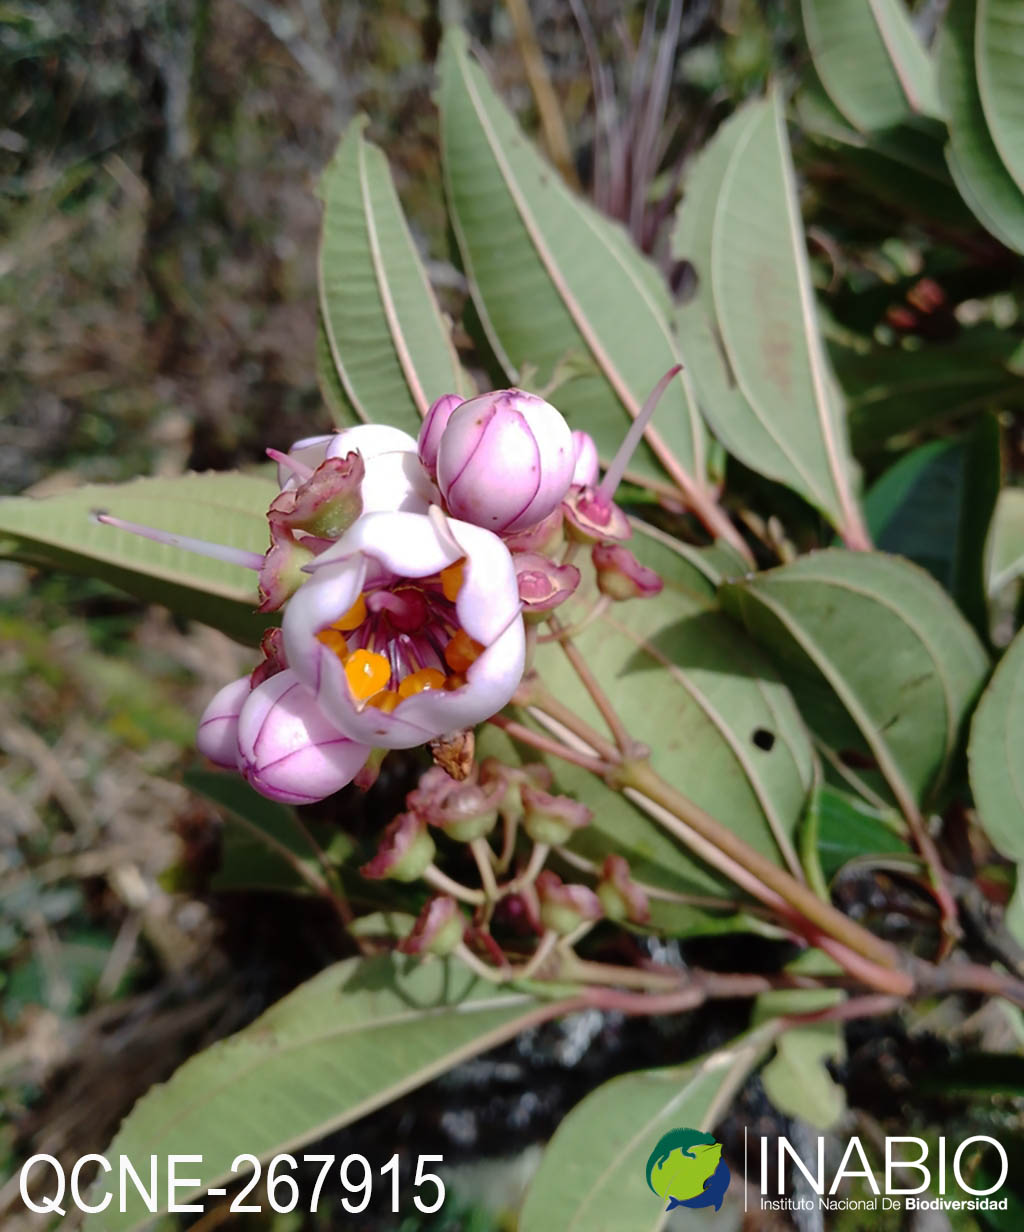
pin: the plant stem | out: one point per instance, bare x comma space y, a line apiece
442, 882
822, 915
540, 699
547, 744
484, 858
593, 686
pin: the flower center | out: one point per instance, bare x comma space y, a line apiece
403, 638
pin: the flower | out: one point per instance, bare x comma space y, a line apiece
620, 895
276, 736
621, 576
394, 479
505, 460
543, 584
584, 474
434, 423
408, 629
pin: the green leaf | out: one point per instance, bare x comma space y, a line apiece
332, 391
391, 347
784, 419
355, 1037
999, 59
978, 172
877, 656
870, 60
894, 390
59, 532
593, 1176
845, 828
994, 754
552, 278
1005, 550
934, 506
264, 846
721, 726
796, 1079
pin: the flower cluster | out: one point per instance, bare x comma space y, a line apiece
404, 570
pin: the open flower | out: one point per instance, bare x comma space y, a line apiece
408, 629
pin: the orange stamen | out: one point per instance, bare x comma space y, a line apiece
419, 682
452, 579
353, 618
367, 673
386, 700
462, 652
334, 641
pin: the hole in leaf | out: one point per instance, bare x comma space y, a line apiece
764, 739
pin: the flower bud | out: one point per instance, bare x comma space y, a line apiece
217, 737
585, 469
563, 908
505, 460
287, 748
547, 537
621, 576
405, 853
620, 896
591, 517
552, 819
512, 779
438, 929
434, 423
463, 810
543, 585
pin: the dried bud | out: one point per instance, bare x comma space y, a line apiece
438, 929
512, 779
563, 908
585, 470
463, 810
505, 460
552, 819
406, 851
620, 896
272, 649
434, 423
591, 517
327, 503
621, 576
543, 585
281, 574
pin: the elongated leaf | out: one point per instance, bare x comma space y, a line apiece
994, 754
353, 1038
720, 725
979, 173
999, 59
844, 828
58, 531
878, 658
764, 304
934, 506
593, 1177
551, 279
391, 347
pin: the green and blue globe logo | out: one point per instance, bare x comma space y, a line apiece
686, 1168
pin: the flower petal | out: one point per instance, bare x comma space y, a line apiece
217, 737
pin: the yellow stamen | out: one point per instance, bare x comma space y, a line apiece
334, 641
419, 682
367, 673
452, 579
353, 618
386, 700
455, 681
462, 652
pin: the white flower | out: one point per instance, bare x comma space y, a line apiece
408, 629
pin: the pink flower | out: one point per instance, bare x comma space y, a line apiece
408, 629
217, 737
434, 423
505, 460
585, 470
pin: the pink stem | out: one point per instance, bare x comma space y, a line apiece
613, 475
299, 469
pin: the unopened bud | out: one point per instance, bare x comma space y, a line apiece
552, 819
620, 896
585, 470
621, 576
563, 908
505, 460
406, 851
438, 929
544, 585
434, 423
217, 737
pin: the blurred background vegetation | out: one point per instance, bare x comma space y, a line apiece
158, 163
